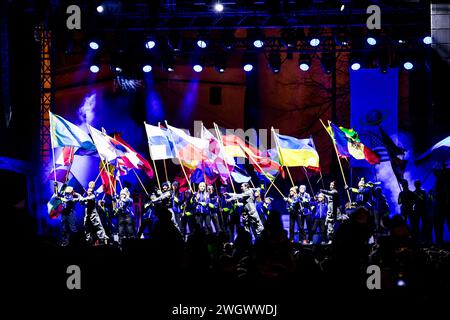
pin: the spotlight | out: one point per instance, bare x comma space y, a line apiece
401, 41
147, 68
248, 67
258, 43
304, 62
118, 69
248, 62
218, 7
408, 65
100, 9
94, 68
94, 45
197, 67
275, 62
342, 7
220, 62
202, 44
356, 66
427, 40
401, 283
314, 42
168, 62
371, 41
150, 44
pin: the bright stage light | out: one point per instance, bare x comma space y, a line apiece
304, 66
100, 9
248, 67
197, 68
94, 45
371, 41
218, 7
427, 40
356, 66
202, 44
408, 65
258, 43
150, 44
304, 62
147, 68
94, 68
314, 42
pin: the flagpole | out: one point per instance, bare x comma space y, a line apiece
178, 157
51, 142
154, 163
309, 182
271, 184
280, 156
203, 162
321, 178
219, 137
71, 157
337, 155
102, 162
142, 185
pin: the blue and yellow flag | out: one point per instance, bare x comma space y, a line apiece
295, 152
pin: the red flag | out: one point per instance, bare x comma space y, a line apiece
107, 176
131, 159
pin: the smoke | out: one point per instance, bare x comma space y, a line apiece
86, 112
412, 172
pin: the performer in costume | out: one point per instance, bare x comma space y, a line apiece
333, 209
188, 214
292, 207
125, 215
177, 203
406, 201
163, 203
230, 215
250, 217
320, 211
214, 208
259, 203
149, 217
380, 209
364, 194
93, 227
202, 207
68, 218
419, 210
305, 214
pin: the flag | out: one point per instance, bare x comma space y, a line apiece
215, 150
64, 133
106, 149
297, 152
130, 158
440, 152
390, 145
160, 146
107, 177
54, 207
190, 150
66, 156
260, 161
62, 174
240, 175
348, 144
232, 146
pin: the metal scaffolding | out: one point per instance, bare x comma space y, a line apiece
46, 94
